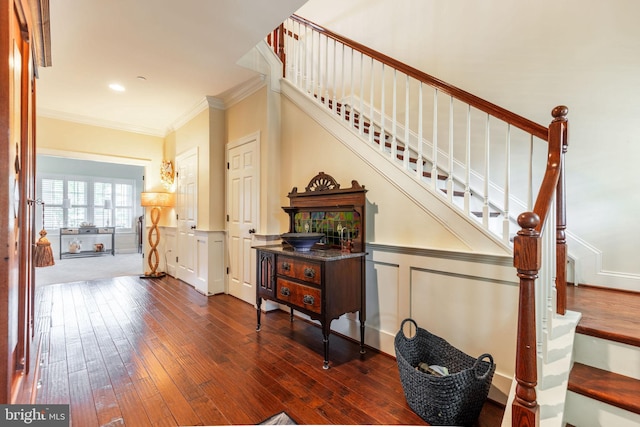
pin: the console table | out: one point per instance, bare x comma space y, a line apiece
95, 234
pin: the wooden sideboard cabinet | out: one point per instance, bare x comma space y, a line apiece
328, 280
323, 284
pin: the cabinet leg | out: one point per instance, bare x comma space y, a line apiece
326, 331
258, 305
325, 341
291, 314
362, 350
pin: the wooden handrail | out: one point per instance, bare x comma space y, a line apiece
476, 102
554, 163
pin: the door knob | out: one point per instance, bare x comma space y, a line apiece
252, 231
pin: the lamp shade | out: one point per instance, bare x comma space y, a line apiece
162, 200
108, 204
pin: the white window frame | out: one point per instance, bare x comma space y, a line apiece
90, 206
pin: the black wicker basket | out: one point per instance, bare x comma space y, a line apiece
454, 399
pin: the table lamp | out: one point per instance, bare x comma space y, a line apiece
107, 207
155, 201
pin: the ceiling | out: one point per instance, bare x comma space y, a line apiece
167, 54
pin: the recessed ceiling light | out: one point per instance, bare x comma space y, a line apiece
116, 87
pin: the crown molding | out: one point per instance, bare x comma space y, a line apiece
91, 121
242, 91
81, 155
205, 103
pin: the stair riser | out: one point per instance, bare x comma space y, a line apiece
612, 356
585, 412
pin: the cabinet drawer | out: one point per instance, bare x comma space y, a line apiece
300, 269
300, 295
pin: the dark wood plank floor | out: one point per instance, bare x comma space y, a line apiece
140, 352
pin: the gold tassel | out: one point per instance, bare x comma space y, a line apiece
42, 253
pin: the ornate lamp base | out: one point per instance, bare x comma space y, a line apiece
149, 275
154, 238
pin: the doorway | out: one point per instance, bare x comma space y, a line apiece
79, 192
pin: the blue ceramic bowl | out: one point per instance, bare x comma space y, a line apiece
302, 242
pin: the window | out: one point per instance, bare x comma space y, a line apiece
73, 201
123, 205
78, 195
102, 203
52, 194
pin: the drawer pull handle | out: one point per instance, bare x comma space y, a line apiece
286, 266
310, 273
308, 299
285, 292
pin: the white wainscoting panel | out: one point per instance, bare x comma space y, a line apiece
209, 267
469, 299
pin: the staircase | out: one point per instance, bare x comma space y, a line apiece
604, 385
598, 362
465, 162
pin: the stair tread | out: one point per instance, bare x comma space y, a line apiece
615, 389
606, 313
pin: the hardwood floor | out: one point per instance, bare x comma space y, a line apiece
141, 352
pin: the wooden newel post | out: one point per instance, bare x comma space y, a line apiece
527, 261
559, 129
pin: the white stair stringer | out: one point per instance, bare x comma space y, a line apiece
555, 359
555, 362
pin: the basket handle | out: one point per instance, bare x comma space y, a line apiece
408, 319
475, 366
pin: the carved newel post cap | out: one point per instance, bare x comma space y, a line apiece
528, 220
560, 112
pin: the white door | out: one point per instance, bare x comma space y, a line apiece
242, 209
187, 210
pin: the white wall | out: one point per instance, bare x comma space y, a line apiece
529, 57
